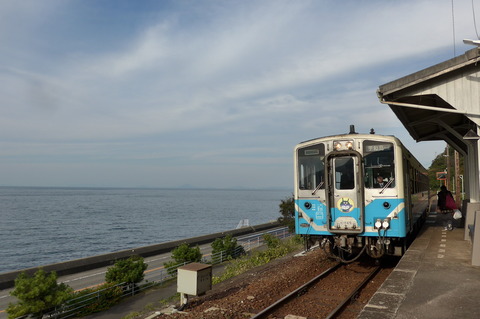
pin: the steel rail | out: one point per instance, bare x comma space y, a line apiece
295, 292
354, 292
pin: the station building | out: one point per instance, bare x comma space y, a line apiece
442, 102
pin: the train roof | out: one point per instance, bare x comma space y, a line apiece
367, 136
352, 135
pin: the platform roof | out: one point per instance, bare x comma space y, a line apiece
441, 102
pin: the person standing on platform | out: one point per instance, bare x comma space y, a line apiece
445, 207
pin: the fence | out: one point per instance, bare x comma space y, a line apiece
77, 305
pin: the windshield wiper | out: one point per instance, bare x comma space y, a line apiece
385, 187
318, 187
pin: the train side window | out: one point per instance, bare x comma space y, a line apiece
311, 168
378, 161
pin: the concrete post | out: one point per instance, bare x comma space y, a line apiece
469, 213
476, 240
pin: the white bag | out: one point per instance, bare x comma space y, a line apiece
457, 214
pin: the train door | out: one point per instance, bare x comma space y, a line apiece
345, 193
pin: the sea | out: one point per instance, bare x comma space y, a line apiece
41, 225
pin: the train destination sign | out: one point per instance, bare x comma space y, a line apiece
441, 176
379, 147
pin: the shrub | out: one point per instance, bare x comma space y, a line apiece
129, 270
38, 294
181, 255
225, 248
271, 241
257, 259
184, 253
287, 210
96, 299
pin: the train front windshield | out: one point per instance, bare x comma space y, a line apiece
311, 168
379, 164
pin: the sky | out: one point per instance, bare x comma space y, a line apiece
214, 94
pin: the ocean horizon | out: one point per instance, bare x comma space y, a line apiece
43, 225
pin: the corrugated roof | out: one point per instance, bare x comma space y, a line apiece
428, 116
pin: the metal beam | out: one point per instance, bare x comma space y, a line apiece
439, 134
427, 119
454, 145
430, 108
449, 129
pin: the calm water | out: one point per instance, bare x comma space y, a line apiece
40, 226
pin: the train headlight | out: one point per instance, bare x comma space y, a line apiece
342, 145
378, 223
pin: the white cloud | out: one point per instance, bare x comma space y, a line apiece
238, 77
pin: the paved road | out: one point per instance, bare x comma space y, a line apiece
96, 277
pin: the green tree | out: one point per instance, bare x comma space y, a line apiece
227, 246
181, 255
37, 294
129, 271
184, 253
439, 164
287, 210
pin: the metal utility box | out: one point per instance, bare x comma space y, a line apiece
194, 279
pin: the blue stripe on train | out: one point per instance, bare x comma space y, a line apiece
376, 209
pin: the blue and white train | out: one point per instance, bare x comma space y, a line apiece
339, 203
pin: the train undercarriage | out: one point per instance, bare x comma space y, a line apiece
348, 248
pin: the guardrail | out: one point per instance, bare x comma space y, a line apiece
93, 262
75, 306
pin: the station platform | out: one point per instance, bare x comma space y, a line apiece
434, 279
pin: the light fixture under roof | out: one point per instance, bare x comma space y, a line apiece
472, 42
471, 135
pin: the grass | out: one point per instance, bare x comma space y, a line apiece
275, 249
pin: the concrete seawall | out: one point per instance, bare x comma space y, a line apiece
73, 266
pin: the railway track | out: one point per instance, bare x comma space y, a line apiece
324, 296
